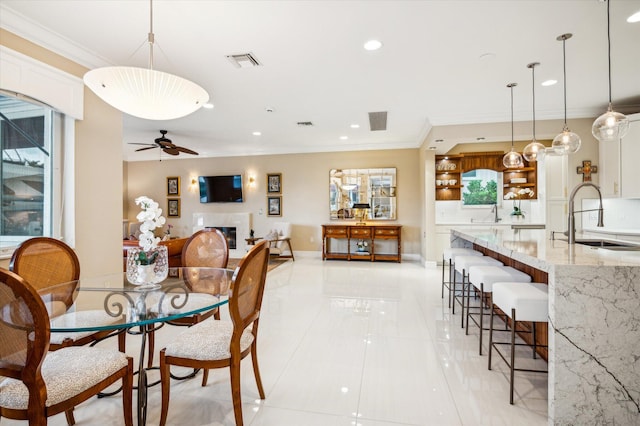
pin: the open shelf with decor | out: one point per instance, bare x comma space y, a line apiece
448, 177
521, 178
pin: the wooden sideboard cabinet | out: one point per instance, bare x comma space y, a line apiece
362, 242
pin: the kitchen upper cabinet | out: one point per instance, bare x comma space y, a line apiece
556, 168
629, 155
619, 162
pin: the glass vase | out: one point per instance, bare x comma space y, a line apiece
147, 274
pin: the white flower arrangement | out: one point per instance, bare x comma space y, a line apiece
151, 218
520, 193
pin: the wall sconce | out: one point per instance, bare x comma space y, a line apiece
194, 184
252, 181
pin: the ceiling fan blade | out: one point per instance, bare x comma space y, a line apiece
144, 149
165, 144
146, 144
171, 151
186, 150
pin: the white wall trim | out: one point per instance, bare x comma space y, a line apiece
24, 75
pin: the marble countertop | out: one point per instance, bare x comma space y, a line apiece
615, 231
532, 247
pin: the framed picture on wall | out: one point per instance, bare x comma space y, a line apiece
274, 206
173, 186
274, 183
173, 207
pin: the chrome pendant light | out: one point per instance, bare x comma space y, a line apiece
146, 93
535, 150
611, 125
512, 159
566, 142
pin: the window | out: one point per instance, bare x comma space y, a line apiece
27, 134
480, 187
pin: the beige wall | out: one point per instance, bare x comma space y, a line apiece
305, 185
98, 170
105, 189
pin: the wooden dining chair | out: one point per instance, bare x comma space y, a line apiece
45, 262
219, 344
205, 248
35, 383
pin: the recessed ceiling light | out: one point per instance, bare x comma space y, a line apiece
257, 133
634, 18
432, 148
480, 138
207, 105
439, 140
344, 138
487, 56
269, 109
372, 45
549, 82
355, 126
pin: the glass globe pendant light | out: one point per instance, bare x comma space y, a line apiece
611, 125
512, 159
566, 142
534, 151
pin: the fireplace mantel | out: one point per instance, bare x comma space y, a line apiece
241, 221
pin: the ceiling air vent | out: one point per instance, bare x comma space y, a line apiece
305, 123
378, 121
244, 60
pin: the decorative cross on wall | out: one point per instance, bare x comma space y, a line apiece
586, 170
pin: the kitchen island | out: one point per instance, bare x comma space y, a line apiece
594, 321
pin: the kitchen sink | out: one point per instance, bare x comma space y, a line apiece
608, 245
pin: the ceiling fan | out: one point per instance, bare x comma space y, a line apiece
166, 145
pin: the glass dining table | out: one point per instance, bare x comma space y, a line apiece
111, 303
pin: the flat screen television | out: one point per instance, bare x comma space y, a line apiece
220, 189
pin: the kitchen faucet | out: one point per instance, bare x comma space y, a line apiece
571, 232
494, 209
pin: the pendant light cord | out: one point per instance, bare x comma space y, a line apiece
511, 87
609, 47
533, 85
564, 78
151, 37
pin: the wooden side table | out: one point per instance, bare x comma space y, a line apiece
252, 241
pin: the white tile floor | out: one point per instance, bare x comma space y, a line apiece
350, 343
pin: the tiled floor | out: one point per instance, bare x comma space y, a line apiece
350, 343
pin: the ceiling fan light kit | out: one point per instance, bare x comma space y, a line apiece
145, 92
611, 125
512, 159
534, 151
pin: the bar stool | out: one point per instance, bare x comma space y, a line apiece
448, 259
462, 265
483, 278
521, 302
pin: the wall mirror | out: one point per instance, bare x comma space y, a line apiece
362, 194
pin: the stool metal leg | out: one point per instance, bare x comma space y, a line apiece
490, 337
513, 355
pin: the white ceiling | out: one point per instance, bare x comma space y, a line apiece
429, 72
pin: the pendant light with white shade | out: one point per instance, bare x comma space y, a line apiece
566, 142
512, 159
534, 151
611, 125
145, 92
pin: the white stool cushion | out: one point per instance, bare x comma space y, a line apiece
489, 275
66, 373
530, 300
450, 252
465, 262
